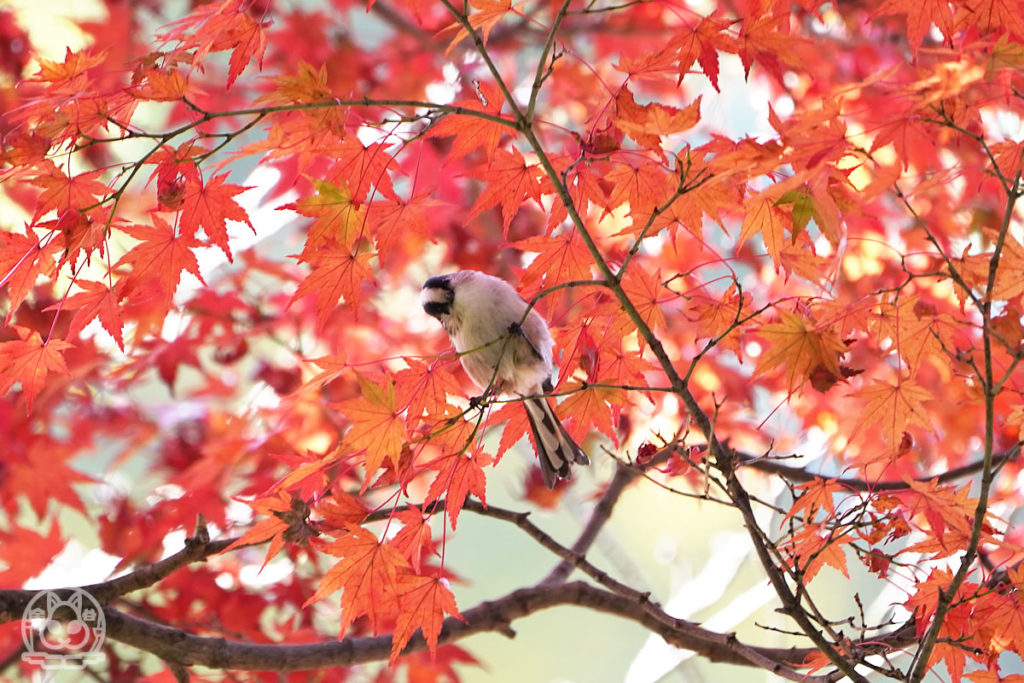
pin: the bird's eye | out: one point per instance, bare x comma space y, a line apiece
437, 308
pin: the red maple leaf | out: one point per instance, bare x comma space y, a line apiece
488, 14
516, 426
473, 132
458, 475
209, 206
30, 360
396, 223
159, 259
920, 14
508, 181
96, 300
424, 390
23, 260
702, 45
25, 553
41, 474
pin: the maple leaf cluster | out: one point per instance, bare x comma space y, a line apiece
779, 246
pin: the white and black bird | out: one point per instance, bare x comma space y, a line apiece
505, 350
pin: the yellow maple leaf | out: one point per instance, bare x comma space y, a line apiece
801, 346
893, 407
762, 216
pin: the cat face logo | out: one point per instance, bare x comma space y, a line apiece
63, 629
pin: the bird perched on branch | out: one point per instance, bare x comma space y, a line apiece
505, 347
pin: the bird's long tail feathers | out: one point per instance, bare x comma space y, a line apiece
555, 448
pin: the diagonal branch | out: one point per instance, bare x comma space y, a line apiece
721, 454
946, 597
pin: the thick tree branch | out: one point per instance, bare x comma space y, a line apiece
174, 645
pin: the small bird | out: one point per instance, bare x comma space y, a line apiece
506, 349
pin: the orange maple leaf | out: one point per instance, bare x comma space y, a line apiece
644, 187
367, 573
718, 315
818, 495
489, 13
912, 329
377, 425
813, 548
949, 512
644, 289
160, 86
69, 74
342, 510
304, 85
414, 538
280, 512
647, 123
309, 474
560, 258
1009, 280
61, 192
424, 601
338, 276
29, 360
591, 409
